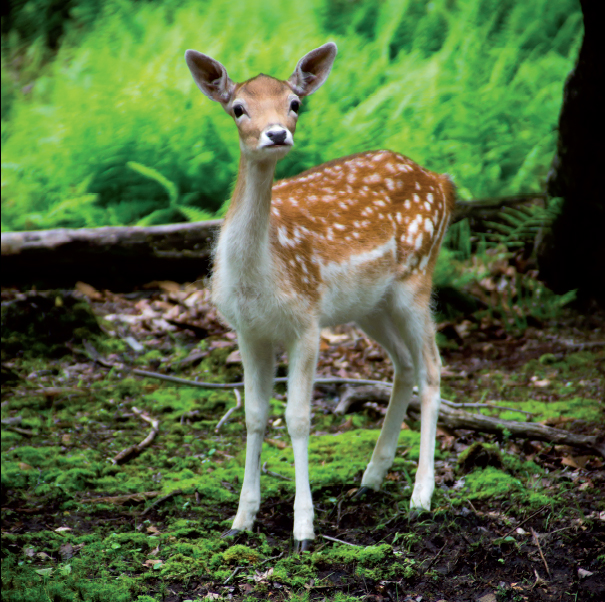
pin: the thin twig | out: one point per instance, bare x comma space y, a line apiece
274, 474
161, 500
235, 572
454, 404
524, 521
139, 447
318, 381
17, 429
238, 406
432, 562
240, 385
340, 541
535, 536
270, 559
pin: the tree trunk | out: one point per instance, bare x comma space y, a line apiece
573, 253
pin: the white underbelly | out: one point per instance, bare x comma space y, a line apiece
353, 288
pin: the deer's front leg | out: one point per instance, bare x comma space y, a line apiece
258, 361
302, 360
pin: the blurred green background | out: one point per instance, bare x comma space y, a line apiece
103, 125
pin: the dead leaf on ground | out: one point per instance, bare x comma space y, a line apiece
276, 443
152, 529
66, 551
575, 462
234, 358
89, 291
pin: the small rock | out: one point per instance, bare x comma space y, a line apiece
583, 573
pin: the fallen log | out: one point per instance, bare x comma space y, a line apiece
459, 419
116, 257
109, 256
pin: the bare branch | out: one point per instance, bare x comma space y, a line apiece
138, 448
238, 406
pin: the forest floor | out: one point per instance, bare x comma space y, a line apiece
513, 519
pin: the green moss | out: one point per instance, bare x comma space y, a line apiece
578, 408
492, 483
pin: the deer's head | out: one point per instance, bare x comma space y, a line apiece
265, 109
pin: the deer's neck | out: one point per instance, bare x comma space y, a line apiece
244, 245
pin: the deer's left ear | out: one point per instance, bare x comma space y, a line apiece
313, 69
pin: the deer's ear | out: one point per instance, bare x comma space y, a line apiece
210, 76
313, 69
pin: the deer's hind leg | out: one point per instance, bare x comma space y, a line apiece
411, 308
406, 331
383, 328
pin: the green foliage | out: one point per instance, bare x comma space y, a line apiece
471, 87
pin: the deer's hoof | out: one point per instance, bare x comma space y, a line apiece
362, 492
417, 514
230, 533
302, 546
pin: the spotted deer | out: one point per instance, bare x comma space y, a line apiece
353, 240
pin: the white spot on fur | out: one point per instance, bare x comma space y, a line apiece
428, 226
282, 236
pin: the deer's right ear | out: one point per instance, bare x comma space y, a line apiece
210, 76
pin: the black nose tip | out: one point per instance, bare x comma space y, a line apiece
277, 136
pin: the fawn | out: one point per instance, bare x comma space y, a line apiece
353, 240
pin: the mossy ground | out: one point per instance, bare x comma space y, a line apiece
73, 524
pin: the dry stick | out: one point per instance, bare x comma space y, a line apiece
432, 562
161, 500
155, 427
524, 521
535, 536
274, 474
272, 558
235, 572
459, 419
238, 406
318, 381
17, 429
340, 541
240, 385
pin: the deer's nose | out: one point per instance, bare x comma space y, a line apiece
277, 136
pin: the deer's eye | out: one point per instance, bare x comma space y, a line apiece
294, 106
238, 111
